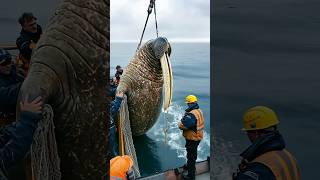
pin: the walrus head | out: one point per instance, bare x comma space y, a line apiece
160, 47
162, 51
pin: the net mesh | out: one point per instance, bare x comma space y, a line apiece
128, 141
45, 162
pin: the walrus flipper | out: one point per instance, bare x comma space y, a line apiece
127, 135
45, 161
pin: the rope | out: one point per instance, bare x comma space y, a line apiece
121, 139
165, 129
145, 25
155, 19
45, 162
151, 5
127, 135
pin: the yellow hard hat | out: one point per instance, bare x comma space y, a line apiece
191, 99
259, 117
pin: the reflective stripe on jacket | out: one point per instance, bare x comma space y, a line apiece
198, 134
281, 163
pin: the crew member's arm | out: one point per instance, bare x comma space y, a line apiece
113, 89
21, 134
188, 122
116, 103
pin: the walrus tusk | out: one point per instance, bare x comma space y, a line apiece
167, 80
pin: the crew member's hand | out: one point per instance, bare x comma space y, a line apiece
34, 106
180, 125
32, 45
119, 94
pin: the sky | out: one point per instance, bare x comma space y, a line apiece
178, 20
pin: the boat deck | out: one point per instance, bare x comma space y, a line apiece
202, 173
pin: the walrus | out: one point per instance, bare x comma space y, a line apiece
146, 76
69, 69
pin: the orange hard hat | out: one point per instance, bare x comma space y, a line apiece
119, 166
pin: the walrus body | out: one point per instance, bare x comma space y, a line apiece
143, 83
68, 69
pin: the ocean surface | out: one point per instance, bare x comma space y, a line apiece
191, 75
266, 53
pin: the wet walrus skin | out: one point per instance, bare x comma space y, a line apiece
143, 82
69, 70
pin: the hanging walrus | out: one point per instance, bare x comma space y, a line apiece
69, 70
148, 73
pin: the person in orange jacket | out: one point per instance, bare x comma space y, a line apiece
192, 125
121, 168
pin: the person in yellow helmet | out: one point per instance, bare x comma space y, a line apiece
266, 158
192, 124
121, 168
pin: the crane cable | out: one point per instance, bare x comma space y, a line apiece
150, 7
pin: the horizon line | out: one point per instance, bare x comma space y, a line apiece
172, 40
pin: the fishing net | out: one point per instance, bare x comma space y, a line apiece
45, 162
128, 141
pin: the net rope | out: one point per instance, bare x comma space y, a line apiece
127, 134
45, 162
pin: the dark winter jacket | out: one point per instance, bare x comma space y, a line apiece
189, 120
9, 90
24, 40
16, 139
269, 142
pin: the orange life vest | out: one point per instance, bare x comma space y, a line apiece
282, 164
198, 134
119, 167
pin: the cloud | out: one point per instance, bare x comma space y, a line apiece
178, 20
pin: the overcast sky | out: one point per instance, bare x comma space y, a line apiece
178, 20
